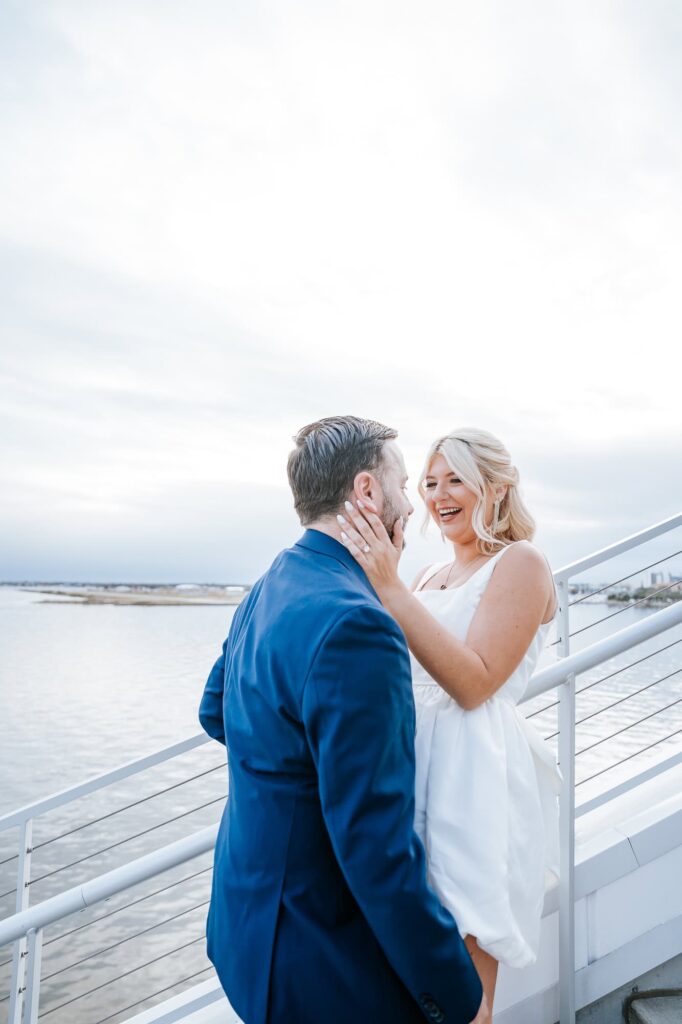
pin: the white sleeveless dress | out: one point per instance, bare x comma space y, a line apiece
486, 793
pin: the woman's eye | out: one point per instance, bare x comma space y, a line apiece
429, 486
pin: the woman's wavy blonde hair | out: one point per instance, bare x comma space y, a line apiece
484, 465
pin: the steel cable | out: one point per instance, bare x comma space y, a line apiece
626, 727
609, 676
624, 578
629, 757
125, 906
152, 995
128, 938
128, 839
635, 693
125, 974
127, 807
620, 611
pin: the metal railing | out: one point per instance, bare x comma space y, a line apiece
566, 724
25, 819
25, 928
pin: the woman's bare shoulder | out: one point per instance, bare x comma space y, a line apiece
523, 556
421, 574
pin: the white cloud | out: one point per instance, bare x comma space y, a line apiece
219, 224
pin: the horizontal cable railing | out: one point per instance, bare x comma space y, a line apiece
127, 839
605, 678
629, 718
623, 579
153, 995
65, 960
635, 540
131, 972
129, 806
40, 807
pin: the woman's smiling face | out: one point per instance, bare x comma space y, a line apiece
449, 502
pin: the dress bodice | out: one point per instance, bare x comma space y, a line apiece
455, 608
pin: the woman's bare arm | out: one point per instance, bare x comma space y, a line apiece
508, 616
515, 602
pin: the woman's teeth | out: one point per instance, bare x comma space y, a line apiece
448, 513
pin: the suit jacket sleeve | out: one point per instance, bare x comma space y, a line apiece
358, 711
211, 707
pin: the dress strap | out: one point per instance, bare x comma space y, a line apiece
429, 574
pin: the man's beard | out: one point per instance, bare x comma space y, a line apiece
389, 516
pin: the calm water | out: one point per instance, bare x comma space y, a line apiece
86, 688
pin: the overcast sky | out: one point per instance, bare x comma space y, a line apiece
221, 221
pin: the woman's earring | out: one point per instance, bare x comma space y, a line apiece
496, 518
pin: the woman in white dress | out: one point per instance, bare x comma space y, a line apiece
486, 783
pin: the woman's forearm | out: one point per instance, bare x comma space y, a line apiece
458, 669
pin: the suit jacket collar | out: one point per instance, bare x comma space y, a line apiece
322, 544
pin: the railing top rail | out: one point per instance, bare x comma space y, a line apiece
602, 650
618, 548
48, 803
106, 885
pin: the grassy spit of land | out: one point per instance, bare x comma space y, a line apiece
132, 593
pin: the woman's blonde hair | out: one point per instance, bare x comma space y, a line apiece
483, 464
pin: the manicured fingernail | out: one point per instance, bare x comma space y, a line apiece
343, 536
348, 506
361, 504
341, 520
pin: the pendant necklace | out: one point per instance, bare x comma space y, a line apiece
444, 586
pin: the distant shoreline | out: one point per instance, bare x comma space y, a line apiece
135, 594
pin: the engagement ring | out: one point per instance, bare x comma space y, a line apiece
366, 547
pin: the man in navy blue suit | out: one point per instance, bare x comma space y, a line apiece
320, 908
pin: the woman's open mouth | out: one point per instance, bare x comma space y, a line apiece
447, 514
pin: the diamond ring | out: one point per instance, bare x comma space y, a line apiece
366, 547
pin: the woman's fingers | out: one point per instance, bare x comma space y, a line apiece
357, 553
370, 514
350, 533
359, 522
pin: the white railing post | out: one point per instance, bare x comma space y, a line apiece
567, 852
34, 960
19, 954
566, 823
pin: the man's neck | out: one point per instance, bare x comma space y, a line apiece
326, 525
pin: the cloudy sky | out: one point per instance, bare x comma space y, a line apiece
221, 221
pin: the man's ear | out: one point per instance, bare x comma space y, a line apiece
367, 486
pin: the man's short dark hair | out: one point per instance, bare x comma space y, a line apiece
328, 456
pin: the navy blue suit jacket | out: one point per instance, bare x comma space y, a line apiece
320, 909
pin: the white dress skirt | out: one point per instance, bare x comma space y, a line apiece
486, 793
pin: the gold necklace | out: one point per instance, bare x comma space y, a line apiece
444, 586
